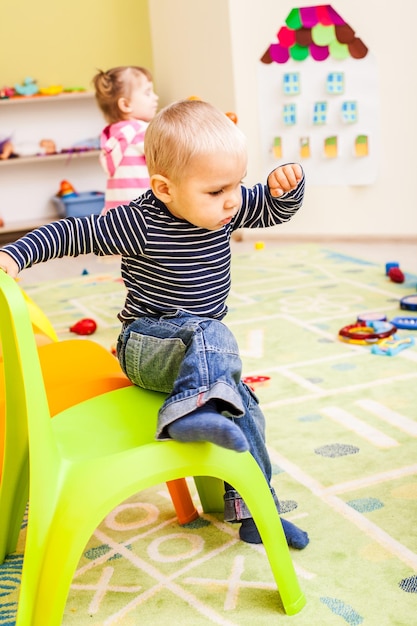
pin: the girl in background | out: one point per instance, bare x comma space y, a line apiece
128, 102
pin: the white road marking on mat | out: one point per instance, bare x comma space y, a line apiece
233, 584
329, 393
102, 587
375, 479
86, 311
162, 581
389, 416
393, 546
254, 344
301, 380
408, 355
349, 421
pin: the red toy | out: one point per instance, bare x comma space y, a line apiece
396, 275
86, 326
255, 381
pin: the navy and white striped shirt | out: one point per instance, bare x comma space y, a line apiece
167, 263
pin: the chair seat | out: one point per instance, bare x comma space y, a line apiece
107, 424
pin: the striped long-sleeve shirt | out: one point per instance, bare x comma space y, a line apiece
167, 263
123, 159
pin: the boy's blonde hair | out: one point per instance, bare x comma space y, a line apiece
184, 130
116, 83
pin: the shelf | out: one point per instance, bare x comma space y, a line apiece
73, 95
70, 119
48, 158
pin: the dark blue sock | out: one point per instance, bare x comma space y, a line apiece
207, 424
296, 538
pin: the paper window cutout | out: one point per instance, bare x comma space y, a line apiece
320, 113
305, 148
291, 84
277, 148
330, 147
361, 146
289, 114
335, 83
350, 112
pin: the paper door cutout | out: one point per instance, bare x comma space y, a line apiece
304, 148
361, 146
277, 148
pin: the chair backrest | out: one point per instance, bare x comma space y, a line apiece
25, 396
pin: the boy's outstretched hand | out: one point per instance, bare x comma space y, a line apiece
8, 265
284, 178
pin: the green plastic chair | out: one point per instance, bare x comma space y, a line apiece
104, 441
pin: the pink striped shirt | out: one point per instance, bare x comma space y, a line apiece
122, 158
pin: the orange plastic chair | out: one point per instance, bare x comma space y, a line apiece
94, 443
74, 371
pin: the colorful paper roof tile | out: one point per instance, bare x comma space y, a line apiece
317, 31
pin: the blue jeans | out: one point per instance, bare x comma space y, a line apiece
195, 359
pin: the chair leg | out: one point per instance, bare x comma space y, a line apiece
13, 501
181, 499
210, 491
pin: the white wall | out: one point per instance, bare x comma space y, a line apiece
212, 49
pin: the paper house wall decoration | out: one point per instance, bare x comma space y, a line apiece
318, 95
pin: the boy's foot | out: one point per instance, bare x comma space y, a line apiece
207, 424
296, 538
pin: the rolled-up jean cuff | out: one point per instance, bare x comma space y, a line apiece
174, 408
235, 509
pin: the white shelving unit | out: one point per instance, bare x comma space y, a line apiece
27, 184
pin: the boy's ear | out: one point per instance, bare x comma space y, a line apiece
124, 105
161, 187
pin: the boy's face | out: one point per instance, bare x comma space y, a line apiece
209, 194
143, 100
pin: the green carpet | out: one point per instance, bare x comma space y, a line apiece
342, 433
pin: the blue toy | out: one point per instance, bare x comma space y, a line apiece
27, 88
409, 323
392, 345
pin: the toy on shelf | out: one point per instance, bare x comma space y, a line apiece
5, 144
66, 190
86, 326
9, 150
232, 116
52, 90
27, 88
392, 345
7, 92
